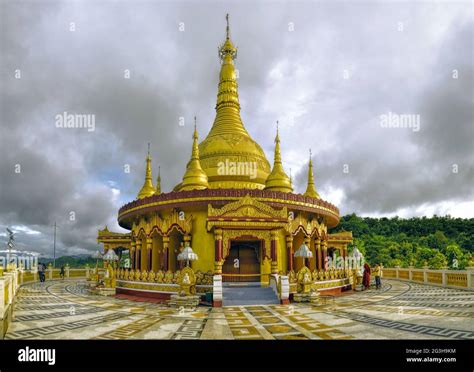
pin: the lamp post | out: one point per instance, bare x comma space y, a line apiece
304, 252
187, 254
110, 256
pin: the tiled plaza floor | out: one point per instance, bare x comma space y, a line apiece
65, 310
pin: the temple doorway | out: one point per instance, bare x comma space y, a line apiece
243, 262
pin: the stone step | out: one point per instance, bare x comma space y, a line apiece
233, 296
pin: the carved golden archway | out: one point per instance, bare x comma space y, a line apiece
263, 235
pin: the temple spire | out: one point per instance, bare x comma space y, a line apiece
278, 179
147, 188
194, 177
158, 182
311, 189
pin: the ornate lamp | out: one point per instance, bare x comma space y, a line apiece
111, 256
98, 256
187, 255
304, 252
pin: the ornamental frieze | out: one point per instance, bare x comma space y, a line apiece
247, 207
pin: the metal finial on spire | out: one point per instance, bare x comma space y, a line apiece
227, 29
310, 153
148, 148
195, 134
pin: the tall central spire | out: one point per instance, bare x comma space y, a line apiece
228, 106
228, 141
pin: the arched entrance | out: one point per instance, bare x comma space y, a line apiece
243, 262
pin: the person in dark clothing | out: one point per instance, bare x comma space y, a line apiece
366, 278
61, 273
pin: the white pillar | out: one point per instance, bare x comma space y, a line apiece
470, 277
217, 291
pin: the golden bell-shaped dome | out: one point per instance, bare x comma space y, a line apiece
278, 180
229, 156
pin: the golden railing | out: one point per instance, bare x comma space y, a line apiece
435, 278
443, 277
389, 273
456, 279
403, 274
419, 276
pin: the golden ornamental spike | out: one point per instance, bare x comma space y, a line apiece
277, 179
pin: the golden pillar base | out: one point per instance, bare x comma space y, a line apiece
274, 267
217, 268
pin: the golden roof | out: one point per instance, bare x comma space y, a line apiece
194, 177
278, 179
147, 188
228, 142
311, 189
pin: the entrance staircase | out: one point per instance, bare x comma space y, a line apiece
234, 294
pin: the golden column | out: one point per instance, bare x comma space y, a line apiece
324, 247
274, 251
166, 242
289, 252
132, 255
138, 264
149, 246
317, 246
218, 251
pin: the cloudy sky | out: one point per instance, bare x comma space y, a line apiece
331, 73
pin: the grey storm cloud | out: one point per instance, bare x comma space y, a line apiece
325, 70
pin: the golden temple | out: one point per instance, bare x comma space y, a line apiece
239, 214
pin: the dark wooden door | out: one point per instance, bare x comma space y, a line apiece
242, 262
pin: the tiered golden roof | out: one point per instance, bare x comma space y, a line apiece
194, 178
147, 188
278, 179
311, 188
228, 141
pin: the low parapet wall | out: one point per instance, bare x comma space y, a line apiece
459, 279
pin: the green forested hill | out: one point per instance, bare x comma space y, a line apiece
437, 241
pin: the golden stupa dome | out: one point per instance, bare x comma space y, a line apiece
228, 155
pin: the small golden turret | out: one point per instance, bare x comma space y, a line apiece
147, 188
194, 178
311, 189
158, 182
278, 179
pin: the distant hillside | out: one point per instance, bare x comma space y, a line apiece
73, 261
437, 241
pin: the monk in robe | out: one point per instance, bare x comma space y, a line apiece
366, 277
